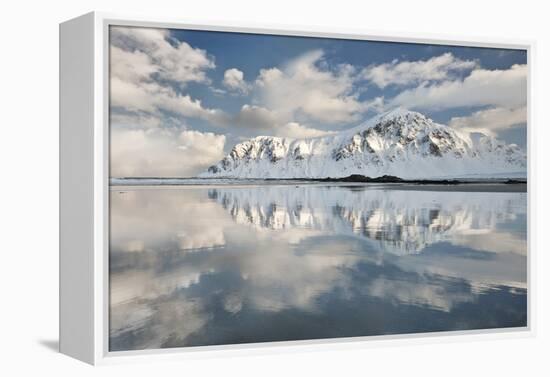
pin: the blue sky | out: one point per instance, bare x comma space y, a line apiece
180, 99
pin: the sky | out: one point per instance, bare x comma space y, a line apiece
181, 99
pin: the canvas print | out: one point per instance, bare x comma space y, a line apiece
268, 188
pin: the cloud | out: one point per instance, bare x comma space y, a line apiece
163, 152
482, 87
147, 68
298, 131
233, 79
490, 121
302, 90
414, 72
135, 120
260, 119
131, 66
217, 91
148, 51
153, 98
255, 117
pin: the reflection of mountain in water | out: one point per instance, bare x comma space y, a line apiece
199, 266
402, 222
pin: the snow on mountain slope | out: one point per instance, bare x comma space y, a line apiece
400, 142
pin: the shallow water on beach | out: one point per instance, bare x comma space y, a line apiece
226, 264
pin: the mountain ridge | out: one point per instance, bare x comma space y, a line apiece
399, 143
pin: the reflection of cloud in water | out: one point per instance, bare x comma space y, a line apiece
494, 241
146, 220
423, 292
186, 261
279, 276
481, 268
273, 276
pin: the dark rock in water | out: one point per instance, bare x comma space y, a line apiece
387, 179
362, 178
351, 178
390, 179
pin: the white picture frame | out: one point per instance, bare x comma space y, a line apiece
84, 160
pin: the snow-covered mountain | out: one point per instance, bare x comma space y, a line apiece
401, 143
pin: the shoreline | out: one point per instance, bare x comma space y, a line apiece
354, 178
351, 182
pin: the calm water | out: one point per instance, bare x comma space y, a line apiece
206, 265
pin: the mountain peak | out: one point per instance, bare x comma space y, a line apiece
394, 114
397, 112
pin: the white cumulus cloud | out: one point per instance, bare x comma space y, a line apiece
299, 131
303, 90
482, 87
151, 97
414, 72
262, 120
490, 121
233, 79
255, 117
171, 59
135, 120
146, 66
163, 152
